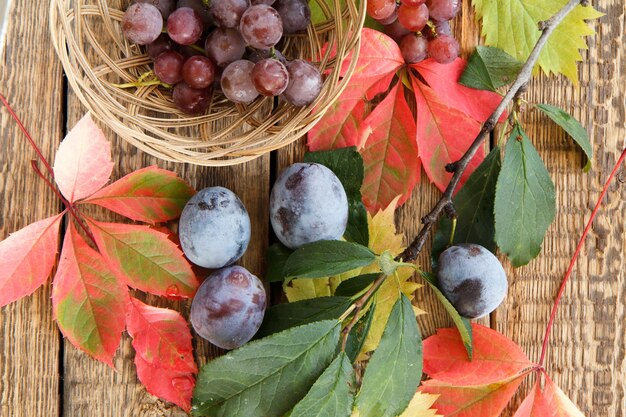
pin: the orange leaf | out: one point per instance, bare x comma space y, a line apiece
27, 257
83, 162
551, 402
170, 385
88, 301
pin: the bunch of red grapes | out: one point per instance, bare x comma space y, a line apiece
230, 44
420, 27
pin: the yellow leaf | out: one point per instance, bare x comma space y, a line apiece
511, 25
420, 406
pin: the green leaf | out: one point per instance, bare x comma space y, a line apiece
490, 68
525, 200
395, 370
474, 208
326, 258
355, 285
572, 127
347, 164
332, 395
276, 258
284, 316
462, 324
358, 334
267, 377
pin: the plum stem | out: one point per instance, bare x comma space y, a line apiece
579, 247
458, 168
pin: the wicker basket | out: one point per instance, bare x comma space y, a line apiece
96, 57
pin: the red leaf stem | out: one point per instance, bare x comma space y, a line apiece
575, 257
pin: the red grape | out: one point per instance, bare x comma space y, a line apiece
413, 18
443, 49
441, 10
305, 83
161, 44
165, 6
227, 13
237, 83
200, 8
389, 20
381, 9
396, 31
295, 14
184, 26
142, 23
224, 45
413, 3
191, 100
168, 67
270, 77
414, 48
261, 26
268, 2
199, 72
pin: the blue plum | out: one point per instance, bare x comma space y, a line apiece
307, 204
214, 228
228, 308
472, 278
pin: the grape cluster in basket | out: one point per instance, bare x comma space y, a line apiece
421, 27
230, 44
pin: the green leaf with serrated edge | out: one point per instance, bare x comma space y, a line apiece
327, 257
395, 369
490, 68
276, 258
332, 395
284, 316
474, 208
573, 128
358, 334
525, 200
267, 377
347, 164
355, 285
462, 324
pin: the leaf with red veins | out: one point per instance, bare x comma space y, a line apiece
161, 337
390, 152
27, 258
150, 195
443, 78
443, 135
171, 385
145, 258
551, 402
83, 162
89, 303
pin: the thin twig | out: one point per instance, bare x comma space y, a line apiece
359, 305
459, 167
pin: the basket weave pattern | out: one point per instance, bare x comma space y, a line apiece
96, 57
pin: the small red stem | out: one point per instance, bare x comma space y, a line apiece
576, 253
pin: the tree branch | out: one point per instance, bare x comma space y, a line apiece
459, 167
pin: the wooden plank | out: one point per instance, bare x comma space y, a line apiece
30, 77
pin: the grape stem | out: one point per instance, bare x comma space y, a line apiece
459, 167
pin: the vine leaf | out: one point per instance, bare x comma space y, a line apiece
512, 25
150, 195
550, 401
572, 127
83, 161
332, 394
525, 200
27, 258
262, 371
358, 334
395, 369
490, 68
163, 352
480, 387
89, 303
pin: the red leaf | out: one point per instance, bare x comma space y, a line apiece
170, 385
83, 162
390, 152
443, 78
151, 195
160, 336
481, 387
379, 59
164, 354
89, 303
551, 402
443, 135
27, 257
145, 258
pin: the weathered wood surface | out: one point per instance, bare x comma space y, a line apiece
42, 375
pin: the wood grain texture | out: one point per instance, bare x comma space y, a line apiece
41, 375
